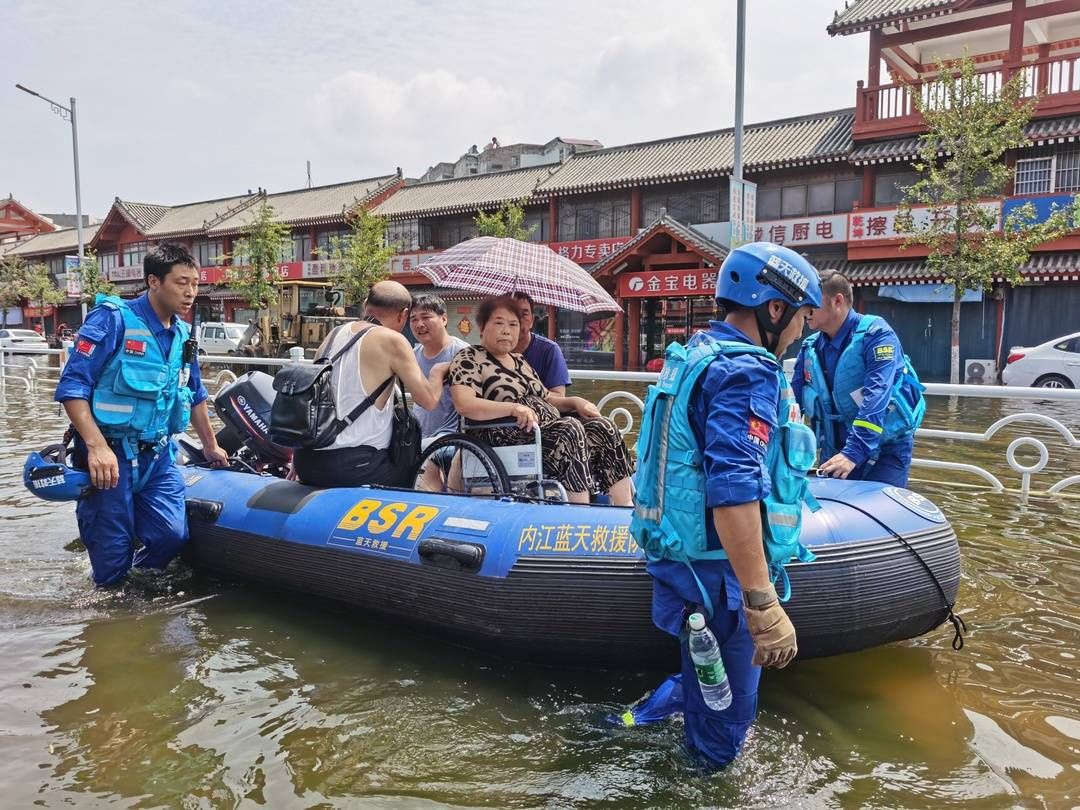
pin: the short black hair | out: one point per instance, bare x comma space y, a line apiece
492, 303
159, 261
429, 302
833, 282
524, 296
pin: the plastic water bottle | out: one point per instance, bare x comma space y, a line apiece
705, 653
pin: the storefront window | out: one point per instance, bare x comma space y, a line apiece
691, 206
536, 223
207, 254
134, 253
768, 204
889, 188
301, 246
587, 341
848, 193
793, 201
403, 235
107, 261
595, 217
326, 240
446, 232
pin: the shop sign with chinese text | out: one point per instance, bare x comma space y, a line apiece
406, 262
667, 283
880, 223
589, 251
823, 230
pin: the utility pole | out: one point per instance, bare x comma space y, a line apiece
68, 114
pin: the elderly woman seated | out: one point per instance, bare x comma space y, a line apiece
490, 381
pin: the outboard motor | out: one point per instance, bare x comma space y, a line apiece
244, 407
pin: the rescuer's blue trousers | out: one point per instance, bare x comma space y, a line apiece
111, 519
716, 736
892, 465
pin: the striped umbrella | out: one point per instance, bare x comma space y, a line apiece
488, 264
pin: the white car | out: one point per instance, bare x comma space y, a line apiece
216, 337
1054, 364
22, 339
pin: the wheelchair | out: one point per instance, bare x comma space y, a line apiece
460, 463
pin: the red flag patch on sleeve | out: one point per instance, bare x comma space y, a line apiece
85, 347
137, 347
758, 431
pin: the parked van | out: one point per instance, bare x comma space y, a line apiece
216, 337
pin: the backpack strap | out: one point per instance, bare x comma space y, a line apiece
349, 345
355, 413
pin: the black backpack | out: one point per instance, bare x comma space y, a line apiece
304, 413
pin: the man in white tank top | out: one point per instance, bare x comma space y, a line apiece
358, 455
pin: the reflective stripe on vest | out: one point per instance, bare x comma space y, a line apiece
832, 411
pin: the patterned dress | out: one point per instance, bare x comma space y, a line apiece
582, 455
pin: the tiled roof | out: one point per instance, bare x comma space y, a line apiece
862, 15
1043, 131
60, 241
1040, 267
809, 139
193, 218
684, 233
884, 151
311, 206
465, 194
1051, 130
142, 215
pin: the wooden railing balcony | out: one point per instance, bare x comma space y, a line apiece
888, 110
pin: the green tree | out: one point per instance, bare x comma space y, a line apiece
507, 221
12, 281
255, 257
39, 288
361, 258
94, 282
961, 162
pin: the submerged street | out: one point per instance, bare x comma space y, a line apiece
187, 691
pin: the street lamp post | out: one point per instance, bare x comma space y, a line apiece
68, 114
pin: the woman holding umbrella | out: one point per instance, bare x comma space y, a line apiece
490, 381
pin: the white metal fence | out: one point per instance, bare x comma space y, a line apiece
31, 369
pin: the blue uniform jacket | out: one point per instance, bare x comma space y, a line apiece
99, 339
859, 444
733, 415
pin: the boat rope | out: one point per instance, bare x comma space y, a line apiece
957, 622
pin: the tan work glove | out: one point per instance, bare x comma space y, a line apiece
771, 630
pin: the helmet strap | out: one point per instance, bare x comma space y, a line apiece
768, 331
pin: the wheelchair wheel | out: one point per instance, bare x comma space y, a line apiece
458, 464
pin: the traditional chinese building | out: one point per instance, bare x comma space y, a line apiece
209, 228
907, 40
17, 222
55, 249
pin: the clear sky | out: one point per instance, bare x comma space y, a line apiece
194, 99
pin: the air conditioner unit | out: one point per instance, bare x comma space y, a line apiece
980, 372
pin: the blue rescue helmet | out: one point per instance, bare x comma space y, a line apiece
759, 272
47, 475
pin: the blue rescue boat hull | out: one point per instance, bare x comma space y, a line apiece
558, 583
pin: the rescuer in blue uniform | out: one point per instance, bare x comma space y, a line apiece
714, 555
131, 383
858, 389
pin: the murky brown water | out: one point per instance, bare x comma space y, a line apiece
185, 692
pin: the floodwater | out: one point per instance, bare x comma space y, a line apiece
183, 691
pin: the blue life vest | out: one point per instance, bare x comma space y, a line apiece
669, 502
833, 413
141, 395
